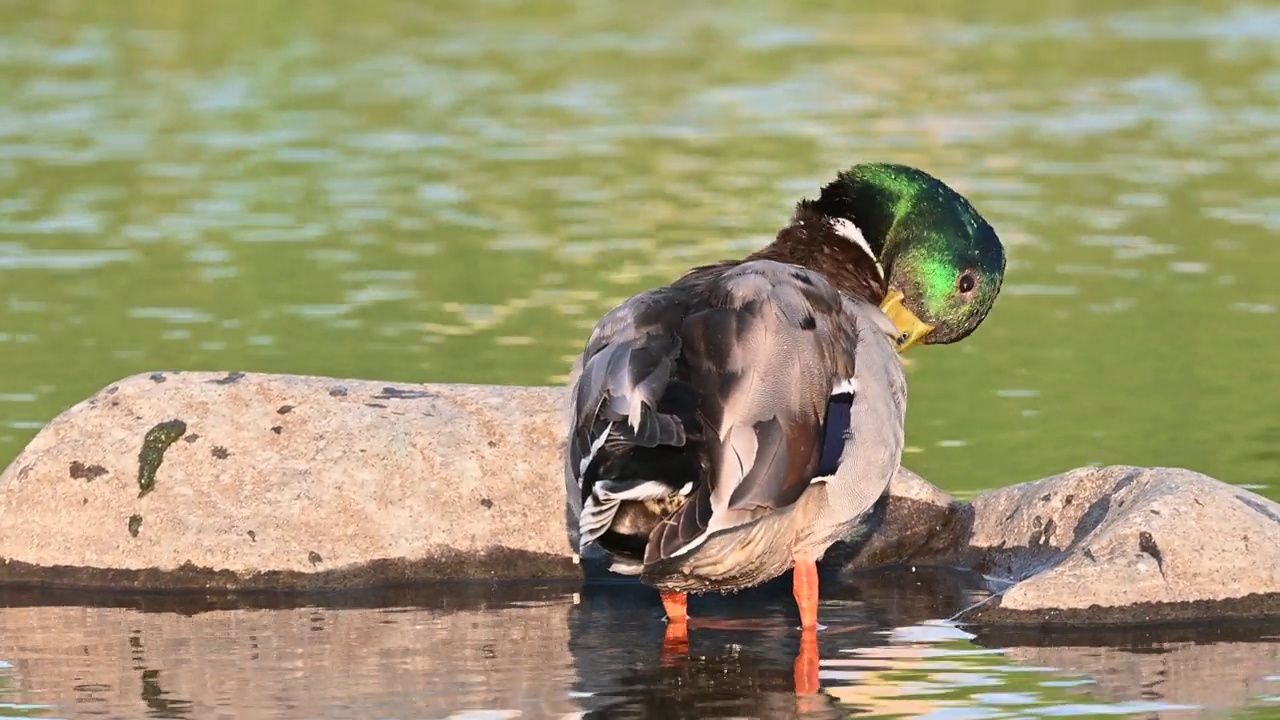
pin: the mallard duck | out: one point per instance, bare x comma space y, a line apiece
736, 423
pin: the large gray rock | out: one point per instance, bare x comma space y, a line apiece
243, 481
237, 481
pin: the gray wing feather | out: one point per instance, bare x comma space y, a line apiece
766, 358
627, 366
614, 391
873, 446
764, 344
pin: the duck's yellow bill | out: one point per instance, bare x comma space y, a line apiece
911, 328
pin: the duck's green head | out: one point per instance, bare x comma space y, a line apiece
942, 263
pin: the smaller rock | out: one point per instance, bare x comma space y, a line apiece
913, 523
1123, 544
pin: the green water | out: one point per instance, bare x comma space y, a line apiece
440, 192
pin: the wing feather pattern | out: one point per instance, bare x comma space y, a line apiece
765, 357
701, 406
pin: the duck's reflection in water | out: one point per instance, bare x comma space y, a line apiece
742, 656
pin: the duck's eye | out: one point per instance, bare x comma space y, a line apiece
966, 283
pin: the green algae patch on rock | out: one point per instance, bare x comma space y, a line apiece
157, 440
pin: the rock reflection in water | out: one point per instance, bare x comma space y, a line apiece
1196, 668
569, 650
444, 650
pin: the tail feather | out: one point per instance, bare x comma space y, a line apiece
607, 497
655, 429
681, 531
635, 446
634, 380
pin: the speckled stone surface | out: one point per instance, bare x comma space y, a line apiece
242, 481
1099, 545
279, 481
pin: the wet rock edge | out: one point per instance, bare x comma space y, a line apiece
1199, 631
498, 563
1255, 606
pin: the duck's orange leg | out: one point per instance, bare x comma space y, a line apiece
804, 586
677, 606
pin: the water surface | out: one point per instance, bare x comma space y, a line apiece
456, 192
564, 651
